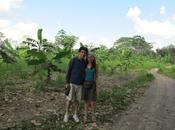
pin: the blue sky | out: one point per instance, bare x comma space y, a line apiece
93, 21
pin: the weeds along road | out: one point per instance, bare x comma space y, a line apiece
154, 111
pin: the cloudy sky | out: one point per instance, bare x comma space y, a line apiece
93, 21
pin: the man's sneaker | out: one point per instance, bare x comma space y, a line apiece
76, 118
66, 118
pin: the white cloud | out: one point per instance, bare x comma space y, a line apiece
162, 10
157, 44
108, 42
173, 17
134, 13
20, 30
7, 5
4, 23
83, 39
162, 29
49, 36
59, 24
105, 41
17, 31
161, 33
25, 27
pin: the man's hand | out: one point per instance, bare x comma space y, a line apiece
67, 85
67, 89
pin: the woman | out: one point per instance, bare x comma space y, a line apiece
89, 92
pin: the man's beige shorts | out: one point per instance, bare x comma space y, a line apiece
75, 93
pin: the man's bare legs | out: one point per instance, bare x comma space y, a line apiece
66, 116
76, 108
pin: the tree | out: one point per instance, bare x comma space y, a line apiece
65, 41
1, 38
101, 53
7, 53
1, 35
167, 53
135, 43
43, 53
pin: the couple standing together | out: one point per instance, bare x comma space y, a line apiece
82, 77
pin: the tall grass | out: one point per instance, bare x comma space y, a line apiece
168, 70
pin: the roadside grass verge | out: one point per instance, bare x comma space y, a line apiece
168, 71
120, 97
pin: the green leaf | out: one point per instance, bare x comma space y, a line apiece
54, 67
60, 55
35, 62
36, 54
30, 43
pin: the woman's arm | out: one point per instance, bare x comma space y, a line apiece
96, 76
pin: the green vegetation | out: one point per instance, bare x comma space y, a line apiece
41, 65
168, 70
41, 57
120, 96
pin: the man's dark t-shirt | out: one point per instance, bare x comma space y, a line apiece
76, 71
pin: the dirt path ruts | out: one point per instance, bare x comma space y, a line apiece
154, 111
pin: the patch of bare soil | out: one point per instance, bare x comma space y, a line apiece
23, 104
20, 106
110, 81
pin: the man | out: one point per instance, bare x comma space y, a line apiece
75, 77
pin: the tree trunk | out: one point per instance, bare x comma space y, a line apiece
48, 75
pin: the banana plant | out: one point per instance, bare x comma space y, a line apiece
7, 53
44, 54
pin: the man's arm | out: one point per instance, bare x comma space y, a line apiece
68, 74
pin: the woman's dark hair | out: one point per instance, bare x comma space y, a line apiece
93, 63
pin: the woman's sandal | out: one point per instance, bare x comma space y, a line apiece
95, 125
85, 124
94, 122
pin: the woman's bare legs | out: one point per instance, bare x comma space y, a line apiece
86, 111
93, 107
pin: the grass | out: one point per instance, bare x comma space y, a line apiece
120, 96
55, 84
168, 71
50, 123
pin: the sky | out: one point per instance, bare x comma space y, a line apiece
93, 21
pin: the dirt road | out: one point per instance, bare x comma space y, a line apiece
154, 111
